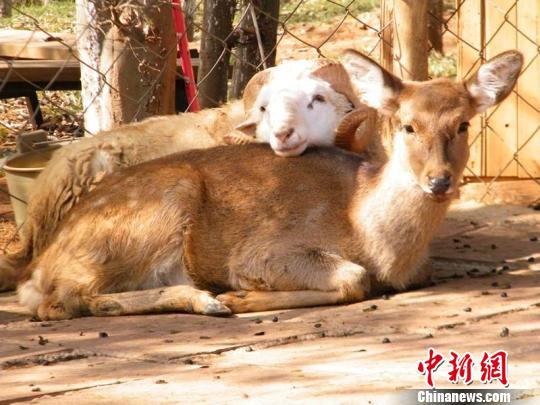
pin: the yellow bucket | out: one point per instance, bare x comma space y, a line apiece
21, 173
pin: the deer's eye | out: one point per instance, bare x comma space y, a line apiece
409, 129
463, 126
262, 108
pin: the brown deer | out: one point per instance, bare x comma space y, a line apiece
266, 232
309, 98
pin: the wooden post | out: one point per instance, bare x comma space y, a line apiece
248, 55
435, 24
5, 8
411, 39
387, 25
215, 54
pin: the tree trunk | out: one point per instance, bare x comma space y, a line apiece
411, 39
248, 55
128, 50
435, 24
5, 8
215, 53
190, 8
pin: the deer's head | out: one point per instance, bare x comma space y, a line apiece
431, 118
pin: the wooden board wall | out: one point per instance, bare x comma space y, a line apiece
490, 27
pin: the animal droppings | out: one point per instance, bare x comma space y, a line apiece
370, 308
468, 309
504, 294
504, 332
103, 335
386, 340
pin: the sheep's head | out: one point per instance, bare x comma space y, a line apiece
297, 104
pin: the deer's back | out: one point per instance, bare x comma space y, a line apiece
237, 200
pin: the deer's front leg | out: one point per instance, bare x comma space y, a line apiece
179, 298
310, 278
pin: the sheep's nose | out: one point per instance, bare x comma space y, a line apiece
439, 185
282, 136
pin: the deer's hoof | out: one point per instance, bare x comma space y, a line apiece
208, 305
237, 301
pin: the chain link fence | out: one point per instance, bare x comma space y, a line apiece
41, 63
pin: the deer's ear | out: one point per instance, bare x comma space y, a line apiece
375, 86
495, 79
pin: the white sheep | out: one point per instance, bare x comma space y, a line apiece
307, 99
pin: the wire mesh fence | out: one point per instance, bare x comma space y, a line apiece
44, 50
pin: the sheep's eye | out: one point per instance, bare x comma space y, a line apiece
409, 129
463, 126
319, 98
262, 108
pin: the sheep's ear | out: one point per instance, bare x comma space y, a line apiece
495, 79
249, 126
376, 87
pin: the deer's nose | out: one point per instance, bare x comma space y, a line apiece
282, 136
439, 185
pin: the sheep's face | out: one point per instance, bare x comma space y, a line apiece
295, 113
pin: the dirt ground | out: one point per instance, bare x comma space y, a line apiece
485, 298
311, 39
